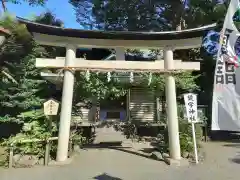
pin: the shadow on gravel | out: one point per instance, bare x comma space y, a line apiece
133, 152
236, 145
225, 136
117, 145
103, 145
106, 177
148, 150
235, 160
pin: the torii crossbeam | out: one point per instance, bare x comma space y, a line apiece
117, 66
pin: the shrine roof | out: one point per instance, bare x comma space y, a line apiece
34, 27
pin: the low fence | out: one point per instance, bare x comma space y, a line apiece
47, 148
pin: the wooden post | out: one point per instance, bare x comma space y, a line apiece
128, 104
205, 133
48, 143
158, 109
47, 152
70, 146
10, 163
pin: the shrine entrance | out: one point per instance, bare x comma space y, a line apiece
73, 39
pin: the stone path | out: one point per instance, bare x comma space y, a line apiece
222, 163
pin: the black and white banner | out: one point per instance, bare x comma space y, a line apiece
226, 92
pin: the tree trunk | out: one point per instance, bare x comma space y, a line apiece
4, 5
181, 23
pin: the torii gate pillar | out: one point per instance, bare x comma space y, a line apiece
172, 117
66, 106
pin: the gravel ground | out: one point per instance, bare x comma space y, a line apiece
222, 163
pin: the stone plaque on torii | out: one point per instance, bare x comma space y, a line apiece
73, 39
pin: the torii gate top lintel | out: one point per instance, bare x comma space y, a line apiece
59, 36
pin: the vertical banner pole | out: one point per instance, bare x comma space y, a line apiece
194, 143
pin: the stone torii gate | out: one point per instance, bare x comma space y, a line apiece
73, 39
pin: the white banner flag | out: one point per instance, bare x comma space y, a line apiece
226, 90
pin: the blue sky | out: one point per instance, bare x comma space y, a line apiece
63, 11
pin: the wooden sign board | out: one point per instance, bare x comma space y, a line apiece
191, 107
51, 107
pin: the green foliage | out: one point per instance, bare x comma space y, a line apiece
186, 82
185, 134
97, 87
31, 2
22, 102
49, 18
116, 15
10, 48
15, 59
129, 130
148, 15
35, 126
